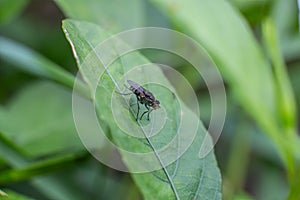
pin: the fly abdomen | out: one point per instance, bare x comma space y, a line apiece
145, 97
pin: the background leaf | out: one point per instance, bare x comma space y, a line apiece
32, 62
15, 196
99, 11
39, 115
229, 41
11, 8
50, 186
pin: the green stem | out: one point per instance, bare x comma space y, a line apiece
42, 167
284, 129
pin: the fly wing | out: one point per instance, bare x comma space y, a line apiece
138, 89
149, 95
133, 84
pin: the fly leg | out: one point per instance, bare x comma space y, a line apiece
147, 111
138, 112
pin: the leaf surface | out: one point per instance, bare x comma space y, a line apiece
189, 177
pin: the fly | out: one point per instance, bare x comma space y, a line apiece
143, 96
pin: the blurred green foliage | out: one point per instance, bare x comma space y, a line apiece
255, 44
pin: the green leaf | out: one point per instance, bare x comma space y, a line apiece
228, 39
230, 43
3, 194
39, 120
254, 10
11, 8
42, 167
186, 178
48, 185
287, 27
10, 153
100, 12
32, 62
11, 195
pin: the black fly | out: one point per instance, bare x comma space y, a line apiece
143, 96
